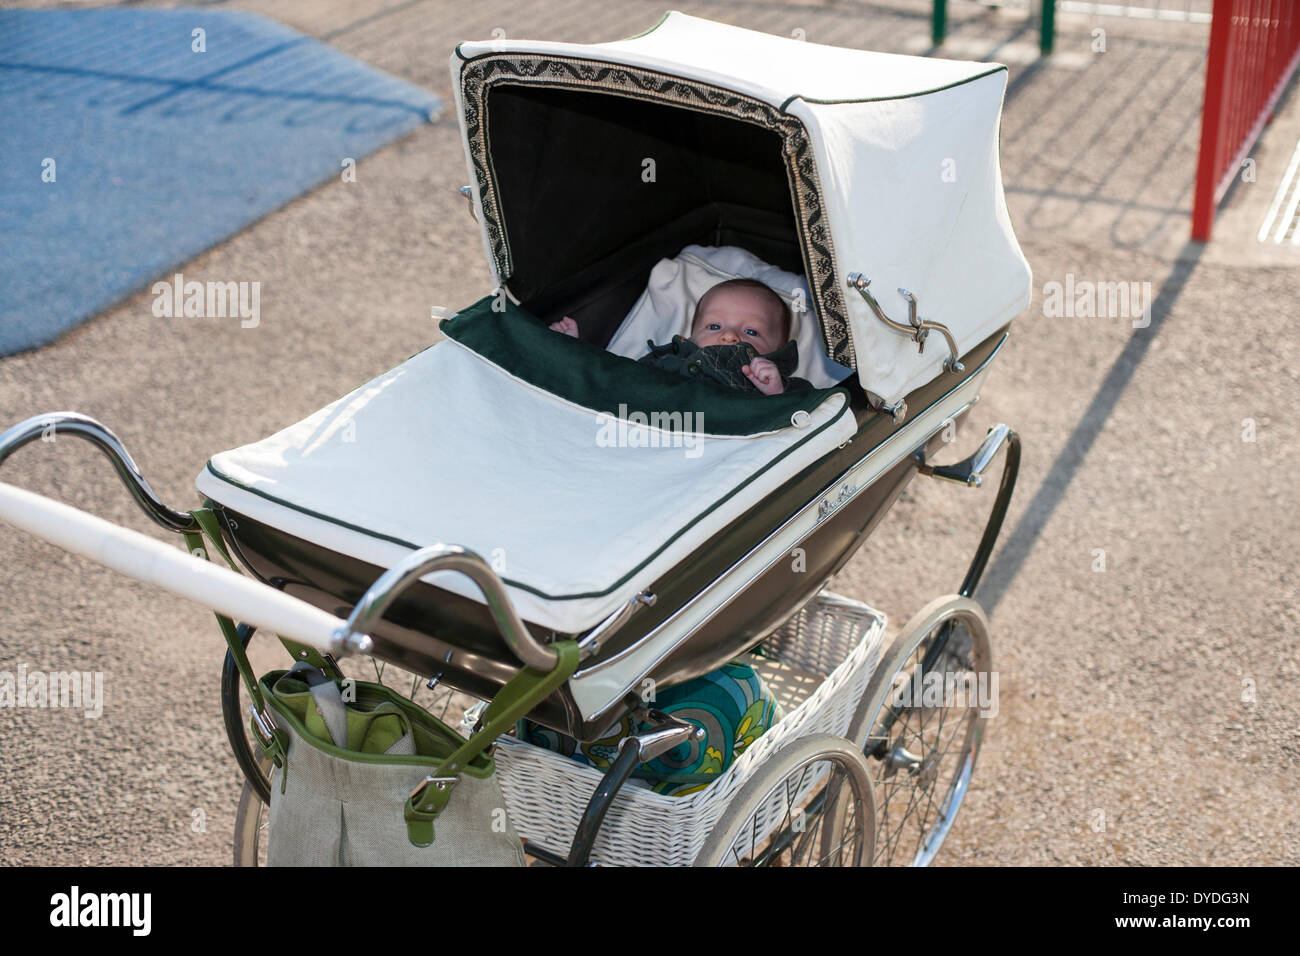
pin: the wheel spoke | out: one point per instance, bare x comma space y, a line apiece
811, 813
924, 746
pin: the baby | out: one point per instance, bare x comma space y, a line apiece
739, 338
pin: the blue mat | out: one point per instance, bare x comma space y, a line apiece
158, 151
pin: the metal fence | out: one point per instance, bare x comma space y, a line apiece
1254, 49
1187, 11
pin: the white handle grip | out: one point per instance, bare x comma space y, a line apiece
172, 569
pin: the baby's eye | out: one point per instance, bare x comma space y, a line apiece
713, 326
753, 332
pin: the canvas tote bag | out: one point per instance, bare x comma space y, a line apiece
362, 776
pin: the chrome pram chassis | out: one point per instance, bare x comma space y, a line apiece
894, 766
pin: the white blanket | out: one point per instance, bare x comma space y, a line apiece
667, 306
576, 510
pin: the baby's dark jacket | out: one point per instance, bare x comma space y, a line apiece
721, 364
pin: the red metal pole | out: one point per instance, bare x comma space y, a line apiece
1212, 119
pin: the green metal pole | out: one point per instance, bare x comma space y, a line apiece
1047, 28
939, 22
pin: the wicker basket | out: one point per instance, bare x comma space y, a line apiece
818, 665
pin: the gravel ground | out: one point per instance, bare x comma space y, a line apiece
1123, 735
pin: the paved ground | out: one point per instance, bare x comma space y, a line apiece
1123, 735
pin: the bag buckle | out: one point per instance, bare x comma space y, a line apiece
439, 783
264, 725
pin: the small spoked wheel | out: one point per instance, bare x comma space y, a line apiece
252, 821
920, 724
810, 804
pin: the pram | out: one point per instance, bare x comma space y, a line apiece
668, 526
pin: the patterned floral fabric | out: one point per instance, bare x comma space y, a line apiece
732, 704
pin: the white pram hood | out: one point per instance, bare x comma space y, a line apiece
898, 177
451, 448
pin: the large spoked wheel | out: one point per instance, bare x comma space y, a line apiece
811, 804
920, 725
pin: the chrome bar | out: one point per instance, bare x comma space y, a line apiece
82, 426
354, 636
919, 328
969, 471
597, 636
665, 733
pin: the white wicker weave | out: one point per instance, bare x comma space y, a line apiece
832, 637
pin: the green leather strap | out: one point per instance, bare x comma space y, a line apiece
194, 541
207, 520
273, 746
515, 700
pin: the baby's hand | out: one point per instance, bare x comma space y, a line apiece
762, 372
565, 325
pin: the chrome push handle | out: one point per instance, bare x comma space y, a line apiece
99, 435
970, 471
354, 636
916, 328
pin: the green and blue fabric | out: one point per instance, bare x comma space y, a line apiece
732, 704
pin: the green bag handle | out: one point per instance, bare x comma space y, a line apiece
516, 699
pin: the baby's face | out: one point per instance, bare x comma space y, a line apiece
739, 315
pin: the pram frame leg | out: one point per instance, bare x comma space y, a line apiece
633, 750
602, 798
968, 472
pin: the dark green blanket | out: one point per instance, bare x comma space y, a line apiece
587, 375
722, 364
